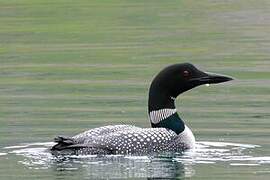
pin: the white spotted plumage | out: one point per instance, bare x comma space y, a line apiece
127, 139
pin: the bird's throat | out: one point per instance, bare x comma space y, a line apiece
162, 111
172, 122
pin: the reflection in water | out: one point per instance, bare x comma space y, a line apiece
37, 156
122, 167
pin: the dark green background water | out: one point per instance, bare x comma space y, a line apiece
67, 66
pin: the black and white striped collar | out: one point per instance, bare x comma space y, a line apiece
161, 114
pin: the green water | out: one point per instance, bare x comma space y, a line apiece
68, 66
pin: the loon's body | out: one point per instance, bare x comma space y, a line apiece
128, 139
168, 133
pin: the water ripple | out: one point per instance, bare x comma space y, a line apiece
38, 156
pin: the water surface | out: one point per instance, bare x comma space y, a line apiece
36, 156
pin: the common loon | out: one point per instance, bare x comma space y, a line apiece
168, 133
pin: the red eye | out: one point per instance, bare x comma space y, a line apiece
186, 73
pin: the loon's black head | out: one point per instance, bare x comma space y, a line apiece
176, 79
167, 85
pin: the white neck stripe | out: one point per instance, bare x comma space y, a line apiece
161, 114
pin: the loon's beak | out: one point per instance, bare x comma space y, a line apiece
211, 78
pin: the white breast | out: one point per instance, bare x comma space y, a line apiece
187, 138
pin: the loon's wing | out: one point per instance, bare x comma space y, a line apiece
137, 141
100, 131
84, 140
